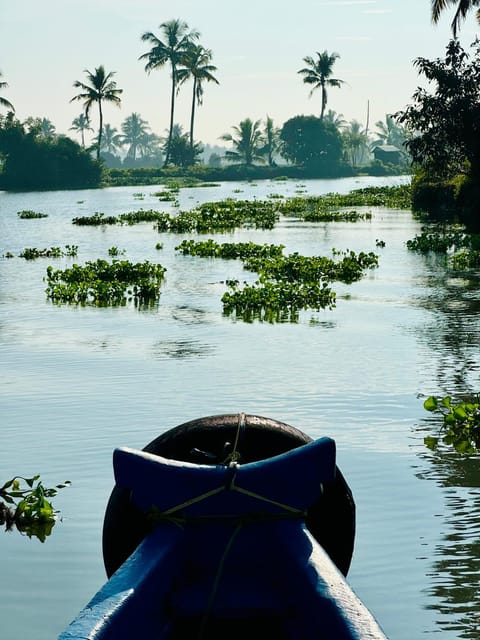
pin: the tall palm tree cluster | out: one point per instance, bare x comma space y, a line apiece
178, 48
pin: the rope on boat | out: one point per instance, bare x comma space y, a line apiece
231, 468
174, 515
229, 485
216, 582
235, 455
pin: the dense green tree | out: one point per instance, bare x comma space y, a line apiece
134, 129
80, 124
446, 120
3, 101
41, 126
181, 152
32, 161
196, 64
318, 73
247, 140
463, 7
100, 88
312, 143
177, 38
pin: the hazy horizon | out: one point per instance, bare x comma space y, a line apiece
46, 47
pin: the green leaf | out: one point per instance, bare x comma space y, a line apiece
464, 446
460, 413
446, 402
431, 403
431, 442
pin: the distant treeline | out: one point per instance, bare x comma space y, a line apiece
152, 175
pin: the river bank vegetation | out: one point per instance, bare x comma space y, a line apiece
33, 156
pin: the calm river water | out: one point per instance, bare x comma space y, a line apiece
77, 382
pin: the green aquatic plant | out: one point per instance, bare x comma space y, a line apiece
229, 250
287, 284
142, 215
27, 508
114, 252
397, 197
27, 214
104, 283
164, 196
222, 216
460, 423
273, 301
305, 269
439, 240
466, 259
32, 253
97, 219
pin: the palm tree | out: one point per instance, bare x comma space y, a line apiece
111, 140
100, 88
464, 6
149, 145
335, 118
271, 138
80, 124
355, 140
318, 72
196, 65
171, 50
247, 142
134, 129
389, 132
3, 101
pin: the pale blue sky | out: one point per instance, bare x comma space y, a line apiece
258, 47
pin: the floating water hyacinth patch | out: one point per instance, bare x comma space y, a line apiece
440, 239
222, 216
398, 197
229, 250
97, 219
32, 253
104, 283
274, 301
287, 284
27, 214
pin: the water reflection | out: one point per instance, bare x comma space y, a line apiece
454, 331
189, 315
453, 335
455, 573
181, 349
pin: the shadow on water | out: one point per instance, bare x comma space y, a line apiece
453, 335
